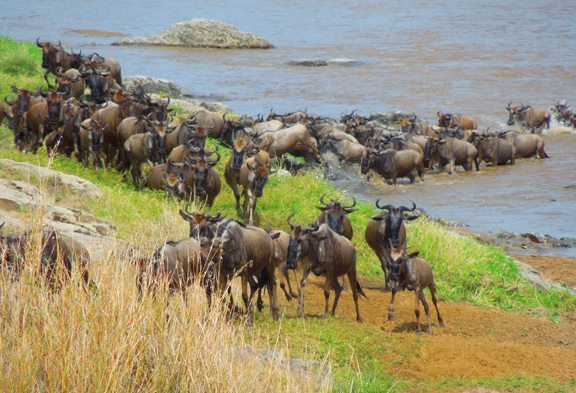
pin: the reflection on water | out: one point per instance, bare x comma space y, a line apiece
420, 57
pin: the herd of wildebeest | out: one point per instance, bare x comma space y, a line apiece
87, 114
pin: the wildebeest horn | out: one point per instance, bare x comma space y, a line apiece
2, 225
352, 205
405, 209
38, 44
438, 113
214, 161
322, 199
15, 89
290, 220
187, 207
387, 207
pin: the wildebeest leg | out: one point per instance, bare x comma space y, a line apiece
272, 294
411, 177
354, 286
245, 298
451, 167
391, 306
301, 293
417, 293
426, 309
433, 294
382, 259
255, 286
338, 291
327, 285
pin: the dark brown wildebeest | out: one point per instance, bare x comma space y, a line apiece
41, 118
456, 120
92, 143
346, 151
145, 148
16, 121
392, 164
494, 150
253, 178
202, 180
323, 252
97, 61
281, 240
387, 228
247, 251
241, 147
71, 83
196, 141
201, 224
168, 177
51, 57
213, 122
335, 214
407, 271
528, 117
526, 145
289, 119
451, 151
111, 116
66, 138
54, 248
100, 82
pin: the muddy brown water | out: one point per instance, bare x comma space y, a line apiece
417, 57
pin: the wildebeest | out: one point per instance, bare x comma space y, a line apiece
287, 139
41, 118
253, 177
408, 271
53, 248
145, 148
387, 229
71, 83
281, 240
456, 120
392, 164
526, 145
168, 177
100, 82
247, 251
241, 148
92, 143
213, 122
323, 252
451, 151
202, 180
335, 214
51, 57
66, 138
110, 63
495, 150
201, 224
528, 117
16, 120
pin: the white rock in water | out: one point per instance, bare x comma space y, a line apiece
201, 33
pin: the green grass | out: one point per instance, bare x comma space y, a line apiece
19, 65
465, 270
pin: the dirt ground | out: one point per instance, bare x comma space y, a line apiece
559, 269
476, 342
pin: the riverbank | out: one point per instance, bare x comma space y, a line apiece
127, 344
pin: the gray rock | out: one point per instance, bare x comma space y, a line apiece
201, 33
153, 86
74, 183
15, 195
308, 62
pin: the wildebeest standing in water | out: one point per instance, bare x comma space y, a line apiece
528, 117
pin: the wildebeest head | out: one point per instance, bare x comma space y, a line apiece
394, 220
294, 244
260, 180
70, 112
97, 80
367, 160
429, 150
51, 54
334, 213
516, 113
22, 102
173, 180
201, 225
444, 119
238, 152
96, 130
54, 107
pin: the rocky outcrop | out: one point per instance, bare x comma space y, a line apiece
344, 62
201, 33
74, 183
153, 86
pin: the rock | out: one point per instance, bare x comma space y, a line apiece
162, 87
308, 63
15, 195
201, 33
71, 182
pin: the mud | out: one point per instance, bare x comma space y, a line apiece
476, 342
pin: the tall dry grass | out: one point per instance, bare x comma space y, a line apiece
110, 340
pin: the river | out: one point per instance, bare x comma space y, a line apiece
417, 56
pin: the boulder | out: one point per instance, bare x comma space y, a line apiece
73, 183
201, 33
153, 86
308, 62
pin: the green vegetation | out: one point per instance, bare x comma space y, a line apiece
464, 269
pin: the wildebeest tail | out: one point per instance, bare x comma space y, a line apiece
360, 290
